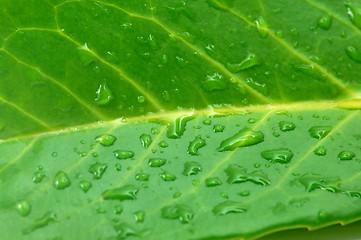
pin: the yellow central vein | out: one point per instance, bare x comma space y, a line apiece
194, 48
56, 82
22, 111
290, 49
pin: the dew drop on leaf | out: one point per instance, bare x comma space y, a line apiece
106, 139
118, 167
191, 168
214, 82
61, 180
103, 94
97, 169
244, 138
325, 22
207, 122
250, 61
213, 181
229, 207
244, 193
195, 145
163, 144
118, 209
354, 54
85, 185
346, 155
168, 177
320, 151
145, 140
123, 154
23, 208
286, 126
262, 26
47, 218
319, 132
281, 155
142, 176
38, 176
218, 128
127, 192
179, 211
139, 216
238, 174
354, 12
177, 128
156, 162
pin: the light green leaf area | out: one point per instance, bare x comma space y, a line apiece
194, 119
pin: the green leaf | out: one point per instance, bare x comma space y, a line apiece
206, 119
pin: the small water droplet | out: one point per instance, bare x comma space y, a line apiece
118, 167
23, 208
354, 12
178, 127
127, 192
163, 144
207, 122
346, 155
179, 211
48, 217
139, 216
250, 61
320, 151
214, 82
325, 22
244, 138
38, 176
106, 139
251, 120
146, 140
195, 145
103, 94
61, 180
281, 155
229, 207
262, 26
238, 174
142, 176
54, 154
85, 185
123, 154
354, 54
191, 168
156, 162
319, 132
218, 128
168, 177
97, 169
213, 181
118, 209
177, 195
244, 193
286, 126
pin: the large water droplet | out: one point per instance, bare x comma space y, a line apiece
127, 192
346, 155
41, 222
229, 207
106, 140
238, 174
61, 180
142, 176
191, 168
212, 182
178, 126
325, 22
353, 53
320, 151
179, 211
195, 145
156, 162
354, 11
319, 132
214, 82
85, 186
281, 155
97, 169
262, 27
123, 154
23, 208
145, 140
250, 61
103, 94
245, 137
286, 126
168, 177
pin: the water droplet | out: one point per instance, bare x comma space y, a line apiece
61, 180
178, 211
238, 174
106, 140
146, 140
299, 202
325, 22
354, 12
177, 195
118, 167
142, 176
244, 138
163, 144
166, 96
353, 53
250, 61
327, 184
286, 126
85, 186
168, 177
54, 154
97, 169
319, 132
229, 207
251, 120
141, 99
320, 151
207, 122
346, 155
191, 168
195, 145
38, 176
127, 192
244, 193
214, 82
156, 162
48, 217
139, 216
262, 27
178, 126
212, 182
103, 94
122, 154
118, 209
23, 208
281, 155
218, 128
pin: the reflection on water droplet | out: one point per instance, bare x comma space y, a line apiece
281, 155
229, 207
61, 180
178, 126
123, 154
23, 208
41, 222
214, 82
142, 176
127, 192
156, 162
168, 177
320, 151
354, 12
85, 186
346, 155
146, 140
354, 54
191, 168
178, 211
238, 174
286, 126
212, 182
103, 94
250, 61
319, 132
218, 128
106, 139
262, 26
325, 22
195, 145
97, 169
245, 137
